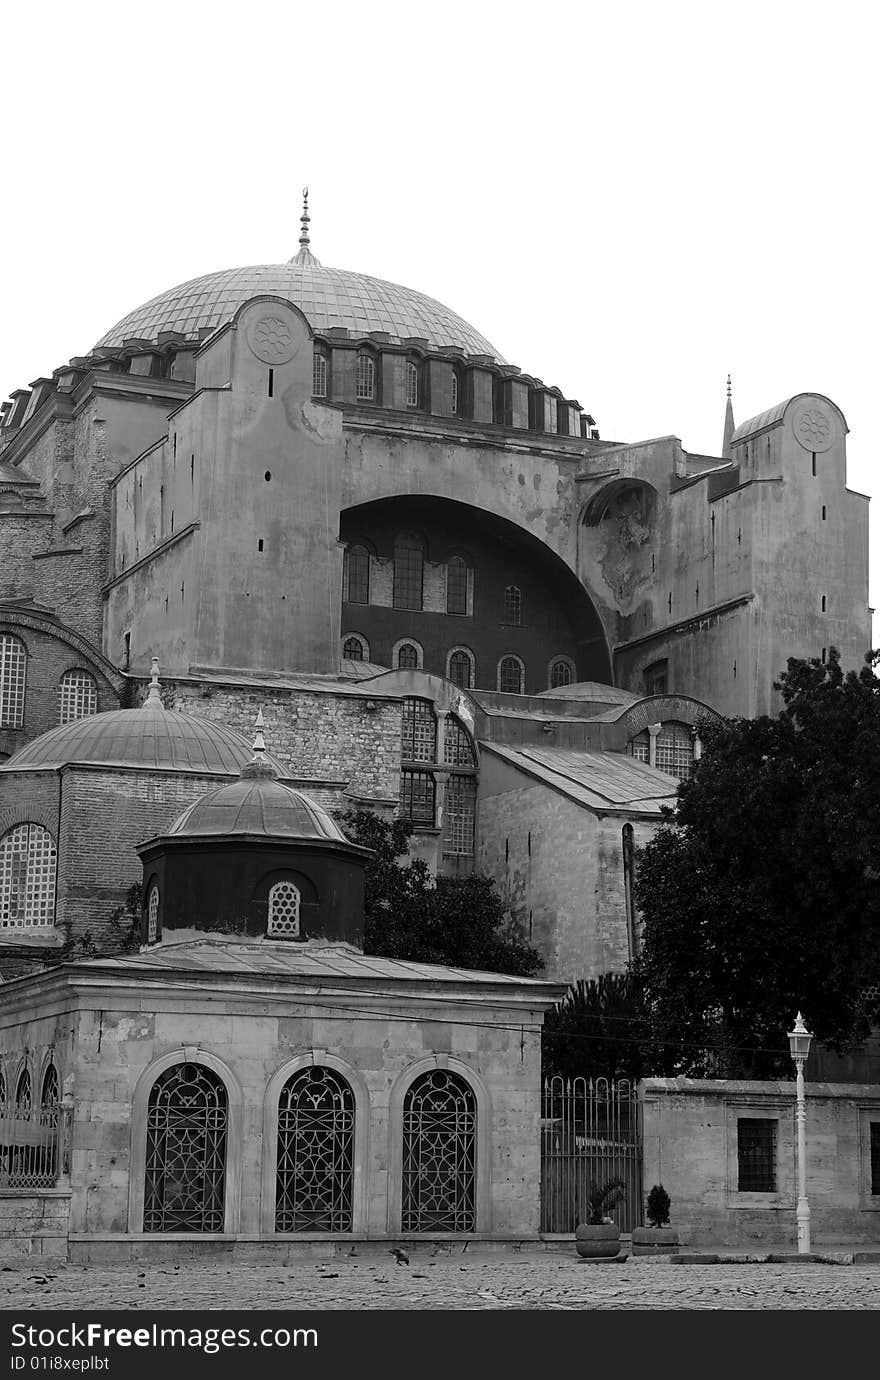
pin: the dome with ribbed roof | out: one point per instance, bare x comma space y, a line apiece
257, 805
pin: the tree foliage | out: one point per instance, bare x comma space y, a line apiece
410, 914
759, 897
596, 1030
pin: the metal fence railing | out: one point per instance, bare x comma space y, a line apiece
33, 1146
591, 1133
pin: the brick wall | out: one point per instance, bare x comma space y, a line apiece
48, 658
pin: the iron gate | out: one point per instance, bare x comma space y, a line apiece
591, 1132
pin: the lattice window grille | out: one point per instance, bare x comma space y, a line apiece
407, 657
455, 394
27, 877
353, 649
512, 610
439, 1154
78, 696
510, 676
675, 751
366, 376
23, 1096
315, 1173
756, 1155
418, 796
412, 384
153, 915
319, 374
456, 585
639, 747
13, 676
409, 565
459, 816
457, 747
284, 899
560, 673
419, 736
461, 670
357, 575
49, 1097
185, 1169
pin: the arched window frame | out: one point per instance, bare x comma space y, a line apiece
321, 1194
349, 640
456, 393
283, 910
365, 385
24, 1097
77, 695
320, 373
505, 665
234, 1137
460, 795
418, 655
464, 656
458, 579
639, 746
356, 574
413, 383
154, 912
560, 673
50, 1095
34, 906
13, 680
409, 572
512, 606
675, 749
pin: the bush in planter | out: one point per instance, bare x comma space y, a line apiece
599, 1237
658, 1238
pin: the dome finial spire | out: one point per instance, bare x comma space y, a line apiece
259, 765
304, 220
729, 428
154, 694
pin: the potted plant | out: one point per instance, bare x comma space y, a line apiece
658, 1238
599, 1237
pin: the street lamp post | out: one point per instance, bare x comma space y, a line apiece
799, 1044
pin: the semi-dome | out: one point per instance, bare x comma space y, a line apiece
259, 805
327, 297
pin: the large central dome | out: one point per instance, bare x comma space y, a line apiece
327, 297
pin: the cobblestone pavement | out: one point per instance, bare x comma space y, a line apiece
375, 1281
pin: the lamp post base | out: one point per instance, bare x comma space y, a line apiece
803, 1227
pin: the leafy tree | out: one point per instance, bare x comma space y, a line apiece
759, 896
410, 914
596, 1030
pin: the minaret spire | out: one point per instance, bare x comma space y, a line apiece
305, 258
729, 428
154, 693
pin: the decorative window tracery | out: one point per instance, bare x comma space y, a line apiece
284, 902
511, 675
460, 668
78, 696
315, 1171
27, 877
23, 1096
439, 1154
153, 914
13, 679
185, 1169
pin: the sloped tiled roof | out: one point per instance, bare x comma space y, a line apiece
598, 780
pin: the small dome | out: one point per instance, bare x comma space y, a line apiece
327, 297
257, 804
148, 737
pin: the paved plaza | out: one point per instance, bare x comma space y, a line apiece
535, 1280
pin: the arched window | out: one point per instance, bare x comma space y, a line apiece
23, 1096
49, 1097
356, 575
460, 667
355, 648
2, 1090
185, 1169
460, 804
412, 383
319, 374
511, 675
639, 747
366, 376
153, 914
419, 734
13, 676
561, 672
27, 877
409, 564
675, 750
456, 585
455, 393
78, 696
284, 910
512, 609
408, 658
439, 1154
315, 1171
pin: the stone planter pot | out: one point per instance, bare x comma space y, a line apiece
597, 1243
655, 1241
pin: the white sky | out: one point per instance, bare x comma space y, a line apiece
629, 200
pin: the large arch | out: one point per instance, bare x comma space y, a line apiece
558, 616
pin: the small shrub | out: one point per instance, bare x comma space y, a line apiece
602, 1198
658, 1206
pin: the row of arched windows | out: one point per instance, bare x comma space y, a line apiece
438, 774
671, 747
367, 375
28, 859
409, 579
77, 689
461, 666
283, 911
316, 1131
23, 1106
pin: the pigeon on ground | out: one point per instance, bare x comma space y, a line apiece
400, 1256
